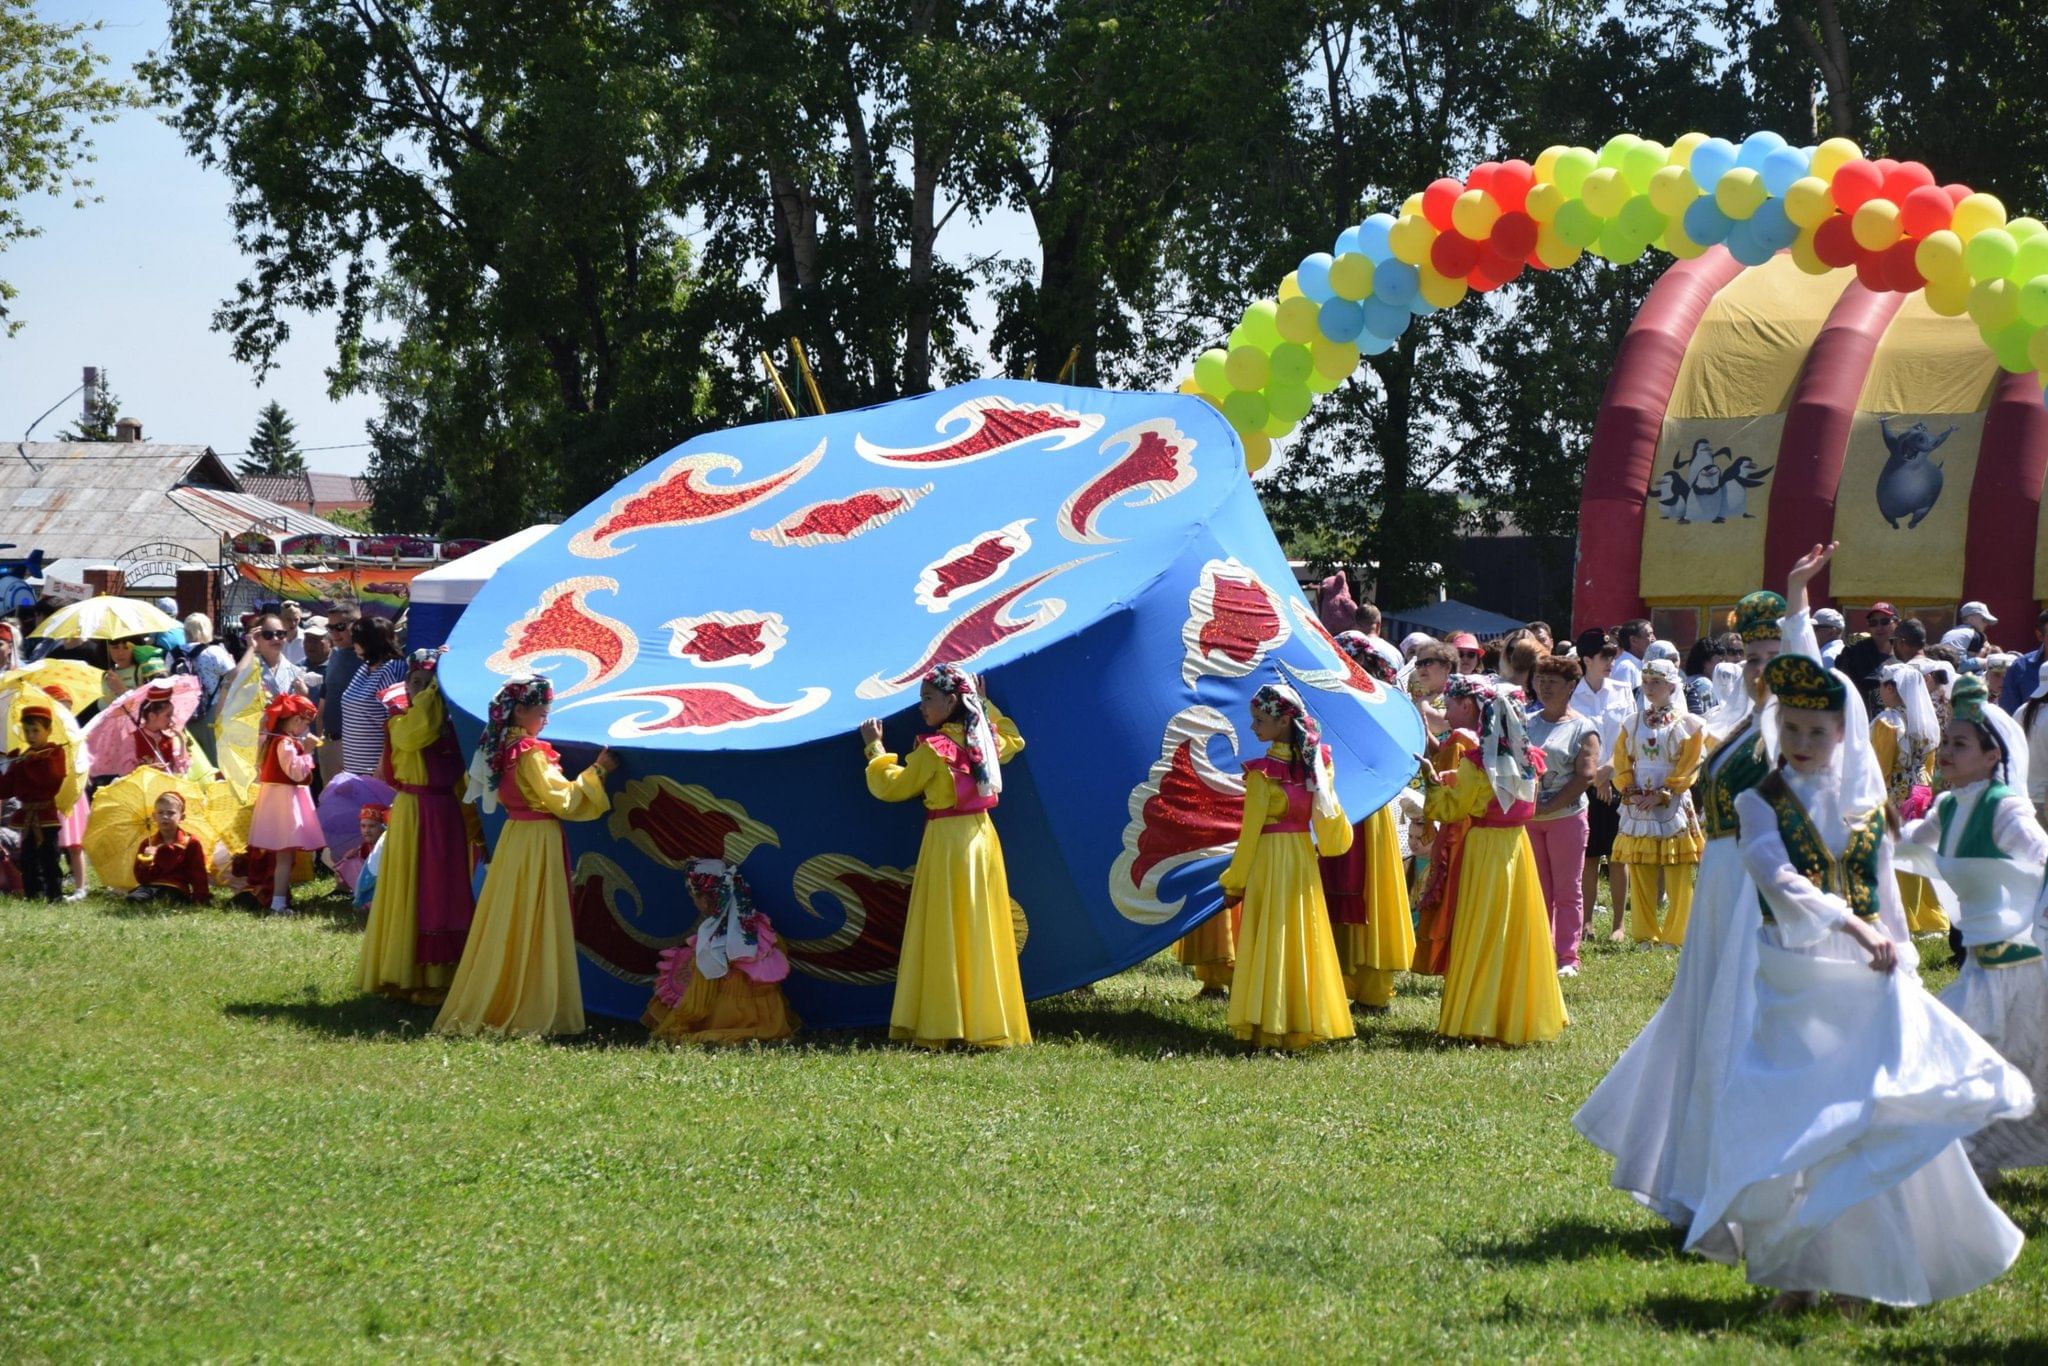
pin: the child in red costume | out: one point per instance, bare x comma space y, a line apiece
171, 861
284, 822
35, 775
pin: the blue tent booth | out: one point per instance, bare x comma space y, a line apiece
727, 616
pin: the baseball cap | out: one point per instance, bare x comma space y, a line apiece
1828, 616
1464, 640
1881, 609
1976, 609
313, 626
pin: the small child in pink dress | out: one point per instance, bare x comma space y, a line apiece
284, 821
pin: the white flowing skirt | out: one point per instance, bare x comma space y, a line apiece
1836, 1162
1653, 1112
2009, 1008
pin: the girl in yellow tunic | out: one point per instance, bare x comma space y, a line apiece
1905, 735
1501, 981
1365, 889
1288, 990
723, 985
957, 979
518, 970
1657, 756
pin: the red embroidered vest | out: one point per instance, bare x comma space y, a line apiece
966, 801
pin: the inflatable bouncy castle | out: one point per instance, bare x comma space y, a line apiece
726, 617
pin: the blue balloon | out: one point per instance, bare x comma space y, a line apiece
1755, 148
1782, 167
1772, 227
1313, 275
1420, 306
1386, 318
1705, 223
1711, 160
1371, 343
1397, 282
1372, 237
1341, 319
1347, 240
1745, 246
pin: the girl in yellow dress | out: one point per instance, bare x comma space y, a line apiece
957, 979
1288, 990
518, 970
1657, 756
1501, 981
724, 985
1209, 951
1906, 738
1366, 889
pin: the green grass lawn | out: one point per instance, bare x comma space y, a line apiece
214, 1148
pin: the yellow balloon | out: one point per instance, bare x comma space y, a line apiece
1248, 368
1211, 400
1412, 204
1332, 359
1258, 450
1350, 278
1831, 155
1949, 297
1474, 214
1808, 203
1939, 257
1876, 224
1545, 199
1605, 191
1410, 237
1444, 293
1805, 257
1976, 213
2037, 350
1740, 193
1994, 305
1546, 163
1681, 151
1676, 242
1188, 386
1290, 286
1296, 320
1672, 191
1553, 251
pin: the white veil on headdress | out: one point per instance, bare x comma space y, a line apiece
1921, 724
722, 936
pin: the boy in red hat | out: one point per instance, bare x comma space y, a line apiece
35, 774
171, 860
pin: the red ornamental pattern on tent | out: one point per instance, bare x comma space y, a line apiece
989, 426
841, 519
724, 640
700, 709
1187, 809
1234, 620
675, 824
1156, 459
564, 624
874, 904
682, 495
605, 933
975, 633
975, 564
1348, 676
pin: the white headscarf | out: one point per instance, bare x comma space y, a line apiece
1921, 723
1927, 668
1503, 738
1728, 686
1666, 670
722, 936
1859, 779
2015, 742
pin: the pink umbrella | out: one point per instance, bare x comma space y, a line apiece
341, 807
110, 736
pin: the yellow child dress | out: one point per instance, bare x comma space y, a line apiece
1367, 895
1209, 950
1903, 773
1288, 990
518, 970
1501, 981
1659, 753
957, 978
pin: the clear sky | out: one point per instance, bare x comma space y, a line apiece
130, 284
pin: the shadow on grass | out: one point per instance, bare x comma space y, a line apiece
1574, 1240
2032, 1347
1701, 1314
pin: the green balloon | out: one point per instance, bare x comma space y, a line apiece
2034, 301
1619, 245
1990, 254
1261, 324
1209, 372
1614, 152
1573, 166
2030, 261
1292, 364
1577, 225
2009, 344
1288, 402
1245, 411
1640, 217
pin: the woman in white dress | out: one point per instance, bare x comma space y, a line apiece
1836, 1164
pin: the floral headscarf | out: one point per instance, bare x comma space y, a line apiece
1278, 701
979, 737
723, 936
1358, 645
423, 661
1504, 751
532, 690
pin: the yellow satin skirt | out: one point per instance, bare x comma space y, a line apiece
1923, 912
732, 1009
958, 978
1388, 944
1210, 949
1288, 990
389, 959
1501, 982
518, 970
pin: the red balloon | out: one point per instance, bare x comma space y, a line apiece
1482, 176
1835, 243
1901, 275
1870, 270
1957, 193
1453, 255
1927, 209
1437, 201
1500, 269
1885, 165
1905, 178
1511, 185
1855, 183
1514, 234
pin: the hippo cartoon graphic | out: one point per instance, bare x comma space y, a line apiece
1910, 483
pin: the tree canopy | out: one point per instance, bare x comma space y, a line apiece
274, 446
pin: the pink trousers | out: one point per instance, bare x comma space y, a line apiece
1560, 849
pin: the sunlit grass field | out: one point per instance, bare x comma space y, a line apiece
214, 1148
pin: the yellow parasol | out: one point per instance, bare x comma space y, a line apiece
65, 732
239, 729
80, 681
106, 618
124, 814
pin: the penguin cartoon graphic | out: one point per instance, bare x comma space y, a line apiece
1706, 504
1737, 480
1669, 492
1910, 483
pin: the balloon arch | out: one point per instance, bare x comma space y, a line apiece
1830, 206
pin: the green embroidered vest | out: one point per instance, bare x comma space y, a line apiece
1853, 876
1737, 766
1975, 841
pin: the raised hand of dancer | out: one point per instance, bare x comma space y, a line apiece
1884, 954
1810, 564
870, 732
